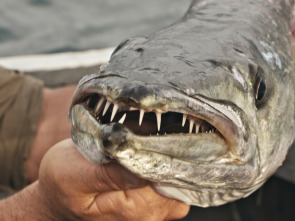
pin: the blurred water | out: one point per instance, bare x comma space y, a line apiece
46, 26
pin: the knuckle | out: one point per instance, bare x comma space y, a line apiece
130, 210
178, 210
104, 176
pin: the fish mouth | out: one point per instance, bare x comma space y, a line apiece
182, 119
146, 121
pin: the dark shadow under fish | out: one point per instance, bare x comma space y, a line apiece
203, 108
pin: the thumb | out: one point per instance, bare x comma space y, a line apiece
112, 176
65, 166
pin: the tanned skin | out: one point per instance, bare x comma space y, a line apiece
71, 188
53, 126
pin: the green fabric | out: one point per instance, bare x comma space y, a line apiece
20, 106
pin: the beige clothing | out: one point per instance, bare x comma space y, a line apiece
20, 106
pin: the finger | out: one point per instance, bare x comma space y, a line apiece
161, 207
64, 164
113, 177
143, 204
176, 210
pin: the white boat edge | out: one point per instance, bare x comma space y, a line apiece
58, 61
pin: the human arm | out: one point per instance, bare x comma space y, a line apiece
53, 126
71, 188
32, 118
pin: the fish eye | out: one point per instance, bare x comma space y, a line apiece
260, 89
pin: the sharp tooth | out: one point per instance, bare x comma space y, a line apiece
197, 128
115, 109
121, 121
88, 102
184, 119
106, 108
141, 113
158, 116
191, 125
99, 105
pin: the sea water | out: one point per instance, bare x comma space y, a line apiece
50, 26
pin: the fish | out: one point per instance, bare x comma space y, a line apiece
204, 108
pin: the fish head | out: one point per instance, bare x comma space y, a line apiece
206, 120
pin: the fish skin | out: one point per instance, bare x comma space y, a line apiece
207, 63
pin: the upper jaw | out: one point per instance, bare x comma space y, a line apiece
199, 115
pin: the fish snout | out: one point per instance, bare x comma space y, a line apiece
113, 135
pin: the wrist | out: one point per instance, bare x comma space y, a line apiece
28, 204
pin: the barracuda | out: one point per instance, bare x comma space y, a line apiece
204, 108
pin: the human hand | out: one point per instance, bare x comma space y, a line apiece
74, 189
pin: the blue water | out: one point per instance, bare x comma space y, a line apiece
47, 26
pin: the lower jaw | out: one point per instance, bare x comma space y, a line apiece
114, 137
